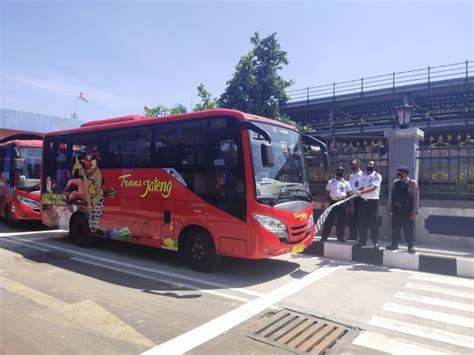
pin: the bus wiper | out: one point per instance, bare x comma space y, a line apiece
31, 188
286, 192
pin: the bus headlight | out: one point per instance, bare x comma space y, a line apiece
272, 224
29, 202
310, 224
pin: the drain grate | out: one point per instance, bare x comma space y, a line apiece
45, 256
302, 333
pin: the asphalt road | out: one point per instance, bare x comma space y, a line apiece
117, 298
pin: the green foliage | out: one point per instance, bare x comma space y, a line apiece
177, 109
162, 110
207, 101
256, 87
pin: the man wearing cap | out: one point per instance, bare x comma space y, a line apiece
403, 207
337, 189
369, 206
355, 180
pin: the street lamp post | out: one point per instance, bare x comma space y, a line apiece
404, 114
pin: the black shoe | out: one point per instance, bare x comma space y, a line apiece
411, 250
392, 247
376, 246
360, 244
341, 240
352, 238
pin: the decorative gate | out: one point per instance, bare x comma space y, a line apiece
447, 167
342, 150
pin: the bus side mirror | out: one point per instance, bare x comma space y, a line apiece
267, 155
315, 144
18, 163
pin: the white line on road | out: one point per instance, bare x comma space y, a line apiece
388, 344
441, 290
424, 332
176, 284
435, 301
219, 325
159, 272
427, 314
454, 281
55, 231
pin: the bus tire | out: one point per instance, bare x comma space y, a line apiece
200, 251
8, 218
79, 231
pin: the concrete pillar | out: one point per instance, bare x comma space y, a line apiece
403, 144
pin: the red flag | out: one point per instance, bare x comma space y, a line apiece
83, 97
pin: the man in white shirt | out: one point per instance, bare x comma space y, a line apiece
368, 212
337, 189
356, 183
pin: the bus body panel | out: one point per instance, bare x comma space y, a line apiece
151, 206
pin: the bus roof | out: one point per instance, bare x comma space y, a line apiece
34, 143
137, 120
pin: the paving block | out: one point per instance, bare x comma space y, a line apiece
465, 267
338, 251
401, 259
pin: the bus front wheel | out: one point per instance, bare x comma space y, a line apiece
9, 219
200, 252
79, 231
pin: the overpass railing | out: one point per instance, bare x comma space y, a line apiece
393, 80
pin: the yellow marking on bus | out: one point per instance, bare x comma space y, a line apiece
84, 314
301, 216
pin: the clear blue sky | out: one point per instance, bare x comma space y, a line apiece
127, 54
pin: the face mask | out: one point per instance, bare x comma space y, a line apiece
354, 168
370, 168
339, 174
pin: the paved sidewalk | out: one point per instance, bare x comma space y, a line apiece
454, 262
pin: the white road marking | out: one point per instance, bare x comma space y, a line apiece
441, 290
159, 272
424, 332
176, 284
427, 314
435, 301
454, 281
55, 231
219, 325
388, 344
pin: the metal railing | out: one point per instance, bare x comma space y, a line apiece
388, 81
446, 166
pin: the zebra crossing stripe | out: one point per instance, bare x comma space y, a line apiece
435, 301
388, 344
423, 332
441, 290
427, 314
444, 280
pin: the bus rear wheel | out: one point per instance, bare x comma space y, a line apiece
79, 231
200, 252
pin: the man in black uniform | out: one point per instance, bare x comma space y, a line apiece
403, 207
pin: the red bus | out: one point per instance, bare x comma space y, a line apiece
205, 184
20, 162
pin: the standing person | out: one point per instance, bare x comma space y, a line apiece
368, 211
337, 189
355, 180
403, 207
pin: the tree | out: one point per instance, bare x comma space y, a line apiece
207, 101
256, 87
162, 110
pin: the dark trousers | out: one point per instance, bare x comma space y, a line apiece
354, 217
401, 219
338, 213
368, 213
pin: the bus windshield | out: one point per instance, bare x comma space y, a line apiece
30, 174
287, 179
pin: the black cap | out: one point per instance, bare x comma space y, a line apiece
340, 168
403, 168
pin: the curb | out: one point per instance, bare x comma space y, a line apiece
420, 261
